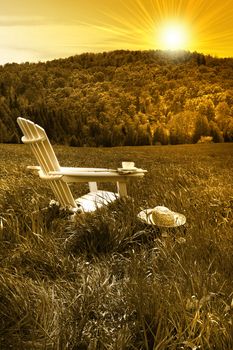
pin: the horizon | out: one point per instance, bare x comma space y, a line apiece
45, 31
168, 52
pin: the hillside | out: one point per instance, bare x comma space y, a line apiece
121, 98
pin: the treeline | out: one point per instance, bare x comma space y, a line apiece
121, 98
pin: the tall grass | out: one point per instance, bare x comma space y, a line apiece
106, 280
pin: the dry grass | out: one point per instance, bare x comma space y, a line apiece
107, 281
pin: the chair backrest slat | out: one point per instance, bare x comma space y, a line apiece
36, 137
30, 139
42, 149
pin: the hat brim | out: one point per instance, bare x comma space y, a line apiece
146, 216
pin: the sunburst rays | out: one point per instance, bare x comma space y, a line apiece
70, 27
138, 22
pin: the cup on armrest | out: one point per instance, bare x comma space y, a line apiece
128, 165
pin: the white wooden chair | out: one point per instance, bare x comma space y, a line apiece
60, 177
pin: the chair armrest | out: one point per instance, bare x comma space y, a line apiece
92, 176
76, 170
95, 171
33, 168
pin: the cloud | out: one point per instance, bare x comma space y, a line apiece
30, 21
15, 21
45, 42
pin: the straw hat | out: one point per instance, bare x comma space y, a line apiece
162, 216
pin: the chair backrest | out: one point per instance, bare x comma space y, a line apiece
37, 139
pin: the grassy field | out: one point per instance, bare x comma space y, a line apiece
106, 280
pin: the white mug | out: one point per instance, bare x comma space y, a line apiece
128, 165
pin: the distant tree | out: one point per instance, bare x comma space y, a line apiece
223, 114
182, 127
74, 141
161, 135
228, 131
14, 138
118, 135
144, 135
215, 132
131, 134
4, 137
206, 108
201, 128
3, 89
98, 76
201, 59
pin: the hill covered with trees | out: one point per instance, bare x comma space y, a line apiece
121, 98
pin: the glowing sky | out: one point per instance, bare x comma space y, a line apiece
33, 31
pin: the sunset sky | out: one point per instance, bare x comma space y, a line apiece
46, 29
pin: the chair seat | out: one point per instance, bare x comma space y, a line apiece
94, 200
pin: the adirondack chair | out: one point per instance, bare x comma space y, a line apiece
59, 177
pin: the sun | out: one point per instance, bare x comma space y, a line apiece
173, 36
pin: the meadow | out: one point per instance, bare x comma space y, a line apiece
105, 280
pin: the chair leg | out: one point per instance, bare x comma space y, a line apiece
122, 189
93, 186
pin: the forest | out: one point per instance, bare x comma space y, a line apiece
121, 98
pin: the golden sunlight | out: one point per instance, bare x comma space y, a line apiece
173, 36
